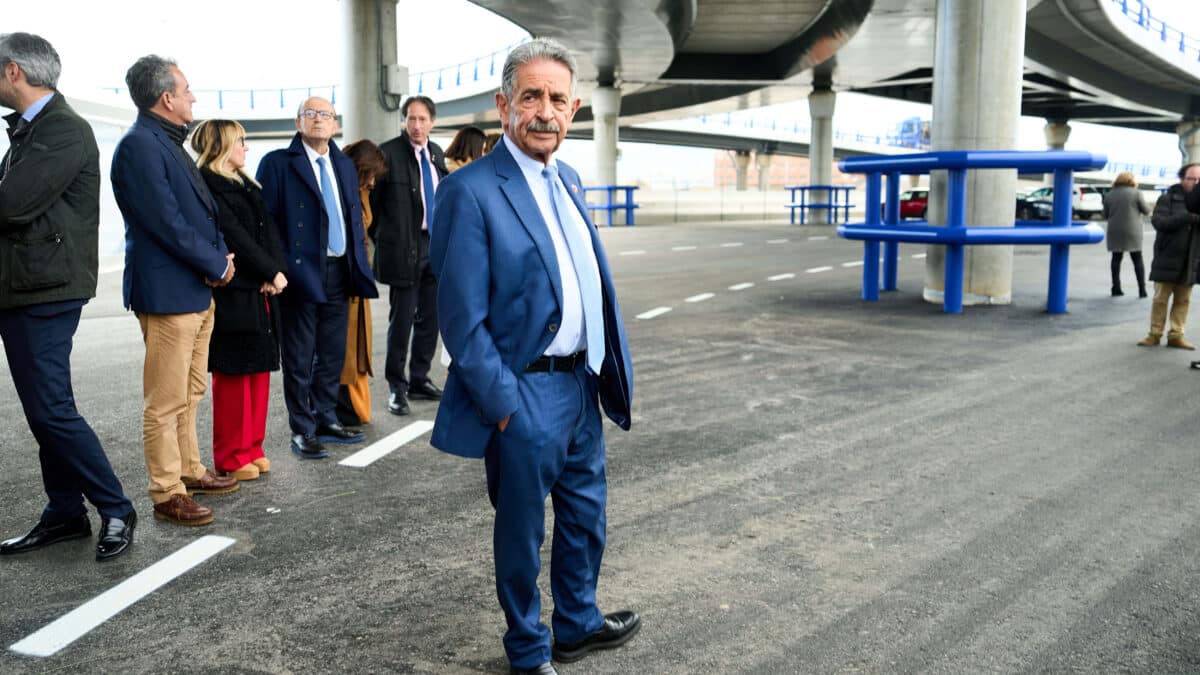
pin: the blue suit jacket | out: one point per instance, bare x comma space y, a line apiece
500, 300
172, 241
293, 197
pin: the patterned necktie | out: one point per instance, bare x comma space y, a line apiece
583, 259
337, 232
427, 186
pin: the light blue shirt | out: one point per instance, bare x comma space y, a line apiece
36, 108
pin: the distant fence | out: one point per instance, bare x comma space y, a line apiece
1138, 12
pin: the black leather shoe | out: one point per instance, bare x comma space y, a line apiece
544, 669
44, 534
336, 433
398, 403
115, 536
308, 447
618, 628
426, 390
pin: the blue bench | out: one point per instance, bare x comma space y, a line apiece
609, 205
839, 199
1059, 235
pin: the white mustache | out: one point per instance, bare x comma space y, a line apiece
538, 125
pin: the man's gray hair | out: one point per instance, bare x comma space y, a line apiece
537, 48
34, 55
148, 79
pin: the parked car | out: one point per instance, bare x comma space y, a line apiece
1087, 202
913, 204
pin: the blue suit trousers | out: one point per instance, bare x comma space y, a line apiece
38, 341
553, 445
313, 349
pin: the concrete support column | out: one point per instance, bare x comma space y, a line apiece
741, 163
606, 109
365, 24
1057, 134
821, 103
763, 161
978, 60
1189, 140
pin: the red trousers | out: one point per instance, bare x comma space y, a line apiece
239, 418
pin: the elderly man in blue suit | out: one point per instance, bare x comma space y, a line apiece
174, 254
311, 190
529, 315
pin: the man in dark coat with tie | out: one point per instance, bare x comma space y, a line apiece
311, 190
402, 203
49, 220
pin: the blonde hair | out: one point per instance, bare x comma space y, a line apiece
1124, 178
214, 141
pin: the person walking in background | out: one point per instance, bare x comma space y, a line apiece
245, 338
466, 147
49, 234
174, 255
354, 394
1123, 209
1176, 259
530, 317
403, 206
311, 191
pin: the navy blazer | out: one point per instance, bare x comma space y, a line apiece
172, 241
293, 197
500, 299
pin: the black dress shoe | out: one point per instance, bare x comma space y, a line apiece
44, 534
398, 403
336, 433
424, 390
618, 628
308, 447
116, 534
544, 669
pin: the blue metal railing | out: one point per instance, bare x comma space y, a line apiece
1139, 13
1059, 235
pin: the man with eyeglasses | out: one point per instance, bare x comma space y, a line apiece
403, 204
311, 191
1176, 259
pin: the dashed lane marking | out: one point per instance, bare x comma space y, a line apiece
700, 298
781, 277
814, 270
638, 252
853, 263
918, 256
85, 618
387, 444
741, 286
818, 238
731, 244
657, 311
777, 241
683, 248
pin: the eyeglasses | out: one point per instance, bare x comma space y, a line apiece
323, 114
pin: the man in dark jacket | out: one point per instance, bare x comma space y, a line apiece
49, 219
1176, 259
403, 206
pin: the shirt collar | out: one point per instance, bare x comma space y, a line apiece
312, 154
33, 110
528, 164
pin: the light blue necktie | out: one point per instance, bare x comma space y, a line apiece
427, 185
337, 231
588, 275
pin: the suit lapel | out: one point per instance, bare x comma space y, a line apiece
516, 189
198, 187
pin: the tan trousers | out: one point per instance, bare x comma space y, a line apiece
174, 380
1179, 308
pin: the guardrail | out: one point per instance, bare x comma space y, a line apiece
1059, 235
1139, 13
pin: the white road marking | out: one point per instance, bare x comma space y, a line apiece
85, 618
781, 277
632, 253
683, 248
918, 255
657, 311
814, 270
777, 241
388, 444
820, 238
731, 244
741, 287
853, 263
700, 298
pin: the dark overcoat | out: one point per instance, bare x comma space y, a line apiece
1176, 240
398, 212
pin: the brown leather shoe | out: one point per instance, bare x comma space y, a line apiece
183, 510
1149, 341
210, 484
1180, 343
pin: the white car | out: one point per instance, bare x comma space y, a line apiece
1086, 203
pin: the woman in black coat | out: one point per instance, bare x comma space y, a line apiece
245, 339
